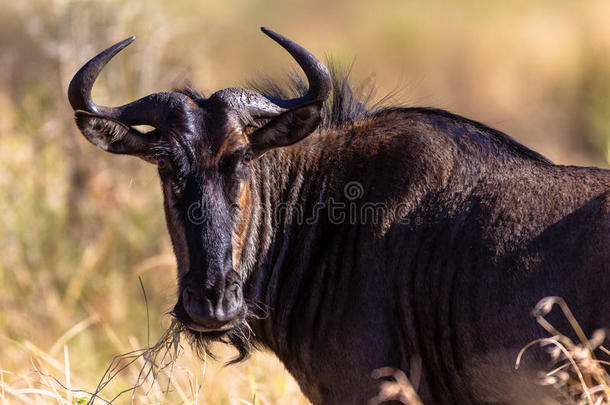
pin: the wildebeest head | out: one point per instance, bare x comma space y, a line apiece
203, 148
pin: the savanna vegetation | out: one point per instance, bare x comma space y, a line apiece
86, 268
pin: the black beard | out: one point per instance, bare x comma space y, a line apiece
239, 337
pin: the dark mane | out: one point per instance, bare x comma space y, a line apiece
347, 104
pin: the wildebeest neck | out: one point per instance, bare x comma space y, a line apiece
321, 196
323, 218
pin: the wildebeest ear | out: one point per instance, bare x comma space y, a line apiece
287, 128
113, 136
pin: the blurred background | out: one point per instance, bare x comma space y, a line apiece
79, 227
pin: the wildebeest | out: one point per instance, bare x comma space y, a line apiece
346, 239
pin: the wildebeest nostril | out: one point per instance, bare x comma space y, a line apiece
199, 309
188, 297
234, 291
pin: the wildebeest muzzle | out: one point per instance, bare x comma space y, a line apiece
211, 306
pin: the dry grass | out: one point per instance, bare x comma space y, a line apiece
578, 375
155, 374
163, 373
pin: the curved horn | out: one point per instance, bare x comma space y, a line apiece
79, 91
263, 106
151, 110
317, 75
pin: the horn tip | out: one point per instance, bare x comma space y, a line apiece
119, 46
128, 41
279, 38
270, 33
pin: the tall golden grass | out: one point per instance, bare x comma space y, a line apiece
79, 227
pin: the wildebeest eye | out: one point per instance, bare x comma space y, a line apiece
247, 158
162, 163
